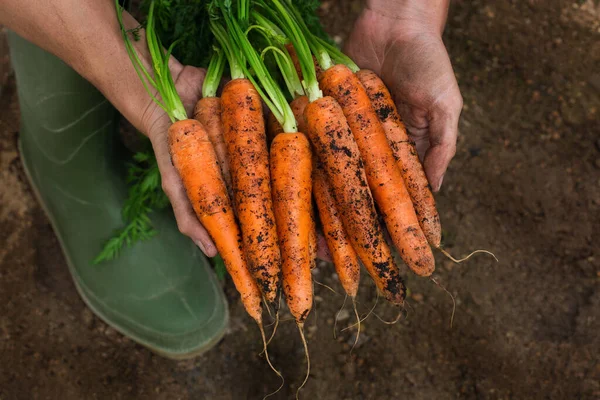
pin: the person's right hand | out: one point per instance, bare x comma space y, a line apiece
155, 123
407, 51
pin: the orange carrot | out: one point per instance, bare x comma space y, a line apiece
274, 128
195, 159
291, 170
244, 132
298, 106
294, 56
383, 174
343, 255
406, 156
208, 112
337, 150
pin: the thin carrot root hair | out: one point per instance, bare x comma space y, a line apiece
268, 307
451, 296
365, 317
276, 322
337, 316
357, 322
444, 252
301, 329
326, 286
392, 322
262, 334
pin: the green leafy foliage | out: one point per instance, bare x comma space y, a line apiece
145, 195
187, 22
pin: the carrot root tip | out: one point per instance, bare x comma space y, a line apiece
451, 296
337, 316
357, 322
301, 329
458, 261
324, 285
262, 334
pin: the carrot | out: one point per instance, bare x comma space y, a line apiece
298, 106
383, 175
208, 113
294, 55
406, 156
343, 255
291, 170
337, 150
273, 127
197, 163
248, 158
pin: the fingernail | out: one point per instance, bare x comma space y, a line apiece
201, 246
439, 186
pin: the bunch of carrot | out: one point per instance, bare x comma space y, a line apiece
340, 141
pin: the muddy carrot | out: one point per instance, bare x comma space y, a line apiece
273, 127
248, 158
208, 113
196, 162
291, 174
405, 154
291, 170
383, 174
343, 256
335, 146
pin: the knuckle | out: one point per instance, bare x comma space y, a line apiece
185, 226
166, 188
453, 104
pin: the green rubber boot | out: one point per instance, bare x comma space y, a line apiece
162, 293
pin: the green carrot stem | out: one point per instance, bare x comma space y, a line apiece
337, 55
293, 30
235, 65
319, 51
162, 80
270, 92
214, 74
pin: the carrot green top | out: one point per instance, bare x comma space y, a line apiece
260, 77
160, 77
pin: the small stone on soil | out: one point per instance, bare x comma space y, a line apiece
418, 297
343, 315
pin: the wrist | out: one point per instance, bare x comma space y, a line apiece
408, 17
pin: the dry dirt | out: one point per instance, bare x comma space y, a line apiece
525, 183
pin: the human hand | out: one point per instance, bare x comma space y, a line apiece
407, 52
155, 123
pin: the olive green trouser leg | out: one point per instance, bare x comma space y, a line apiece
162, 292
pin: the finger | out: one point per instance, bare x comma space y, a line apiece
187, 222
417, 124
443, 132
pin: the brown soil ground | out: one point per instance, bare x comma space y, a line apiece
525, 183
